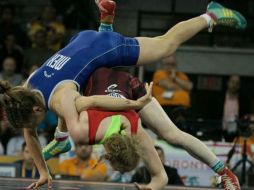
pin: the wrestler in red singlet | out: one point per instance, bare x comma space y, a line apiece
120, 84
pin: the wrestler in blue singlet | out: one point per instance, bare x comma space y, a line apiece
86, 51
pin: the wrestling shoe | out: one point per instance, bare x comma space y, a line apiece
55, 148
107, 8
225, 17
229, 180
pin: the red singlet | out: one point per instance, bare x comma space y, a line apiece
95, 117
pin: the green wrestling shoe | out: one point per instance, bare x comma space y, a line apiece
56, 147
226, 17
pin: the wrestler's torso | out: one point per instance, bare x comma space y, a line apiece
74, 63
102, 127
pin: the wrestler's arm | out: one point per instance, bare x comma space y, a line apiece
34, 147
105, 102
111, 103
152, 161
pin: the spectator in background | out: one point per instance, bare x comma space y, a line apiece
247, 133
142, 175
28, 168
11, 49
172, 90
14, 146
39, 53
5, 130
9, 72
1, 149
84, 165
1, 146
48, 21
231, 108
8, 25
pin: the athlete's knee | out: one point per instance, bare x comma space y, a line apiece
77, 136
168, 45
173, 136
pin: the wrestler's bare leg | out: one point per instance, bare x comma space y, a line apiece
157, 48
157, 120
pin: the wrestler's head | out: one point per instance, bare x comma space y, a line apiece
121, 152
24, 108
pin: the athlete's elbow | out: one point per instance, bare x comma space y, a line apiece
83, 103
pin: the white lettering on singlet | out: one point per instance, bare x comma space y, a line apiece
57, 61
114, 92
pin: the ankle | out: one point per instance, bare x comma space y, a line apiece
218, 166
209, 18
107, 19
61, 136
105, 27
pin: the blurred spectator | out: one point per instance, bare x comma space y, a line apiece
142, 175
38, 54
1, 149
78, 14
48, 21
28, 168
172, 90
14, 146
5, 130
84, 165
246, 132
1, 146
9, 72
231, 108
8, 25
11, 49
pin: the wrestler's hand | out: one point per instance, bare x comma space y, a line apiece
43, 180
142, 187
147, 97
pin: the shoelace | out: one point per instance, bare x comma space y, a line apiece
228, 183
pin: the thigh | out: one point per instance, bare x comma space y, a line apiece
154, 49
156, 119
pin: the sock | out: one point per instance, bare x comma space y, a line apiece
210, 19
61, 136
218, 166
105, 27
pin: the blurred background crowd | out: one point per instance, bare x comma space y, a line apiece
207, 87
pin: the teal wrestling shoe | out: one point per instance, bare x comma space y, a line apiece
225, 17
55, 148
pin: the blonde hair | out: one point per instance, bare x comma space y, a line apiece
122, 152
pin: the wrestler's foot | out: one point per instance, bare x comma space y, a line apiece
229, 180
226, 17
55, 148
107, 10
